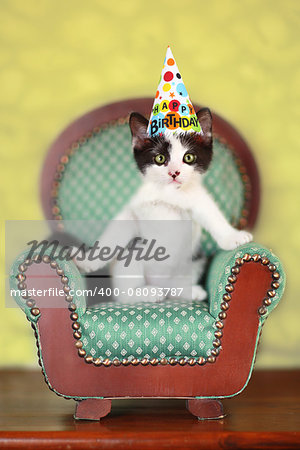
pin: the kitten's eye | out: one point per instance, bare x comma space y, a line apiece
160, 159
189, 158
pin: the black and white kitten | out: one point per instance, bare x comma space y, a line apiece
172, 167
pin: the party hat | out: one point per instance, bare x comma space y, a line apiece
172, 109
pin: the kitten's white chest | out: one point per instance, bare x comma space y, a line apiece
152, 204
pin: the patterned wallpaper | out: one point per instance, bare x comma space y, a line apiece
241, 58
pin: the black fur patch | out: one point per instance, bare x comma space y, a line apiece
144, 155
193, 143
145, 148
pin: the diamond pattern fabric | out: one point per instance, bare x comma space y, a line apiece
164, 330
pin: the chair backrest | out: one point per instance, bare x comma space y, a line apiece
89, 173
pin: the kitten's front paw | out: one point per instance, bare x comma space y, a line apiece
198, 293
235, 239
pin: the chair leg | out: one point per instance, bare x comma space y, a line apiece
205, 408
92, 409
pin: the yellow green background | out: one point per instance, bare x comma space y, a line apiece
60, 58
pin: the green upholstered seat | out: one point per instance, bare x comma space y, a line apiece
147, 330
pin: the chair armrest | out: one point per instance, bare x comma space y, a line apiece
224, 269
38, 272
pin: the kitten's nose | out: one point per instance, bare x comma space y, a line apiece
174, 174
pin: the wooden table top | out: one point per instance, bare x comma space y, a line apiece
265, 415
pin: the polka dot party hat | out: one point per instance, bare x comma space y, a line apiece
172, 109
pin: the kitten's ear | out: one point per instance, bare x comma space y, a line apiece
138, 126
205, 120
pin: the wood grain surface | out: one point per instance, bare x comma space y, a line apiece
266, 415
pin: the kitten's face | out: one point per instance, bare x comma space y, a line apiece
175, 160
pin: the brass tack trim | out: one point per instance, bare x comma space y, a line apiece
201, 361
267, 302
271, 293
145, 361
154, 361
275, 284
30, 303
135, 361
78, 344
46, 259
256, 257
216, 343
272, 267
239, 261
77, 334
21, 277
37, 259
276, 275
224, 306
59, 271
215, 351
97, 362
265, 261
219, 324
72, 307
64, 279
173, 361
116, 362
68, 298
35, 311
235, 270
211, 359
75, 326
246, 257
229, 288
74, 316
222, 315
218, 334
53, 264
22, 268
227, 297
81, 352
192, 361
22, 286
262, 310
232, 279
107, 362
66, 289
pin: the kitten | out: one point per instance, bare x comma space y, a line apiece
172, 167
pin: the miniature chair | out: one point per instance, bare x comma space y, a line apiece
199, 351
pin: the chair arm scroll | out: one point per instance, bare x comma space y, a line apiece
224, 272
46, 282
